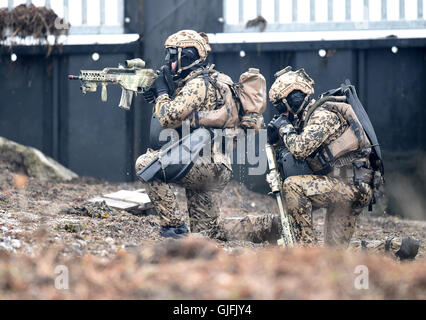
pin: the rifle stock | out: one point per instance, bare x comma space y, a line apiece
274, 180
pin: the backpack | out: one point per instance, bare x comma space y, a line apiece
239, 104
350, 93
348, 90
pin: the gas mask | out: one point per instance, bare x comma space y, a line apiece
181, 61
295, 103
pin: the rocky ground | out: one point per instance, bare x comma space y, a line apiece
117, 254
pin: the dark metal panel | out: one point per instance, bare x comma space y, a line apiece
328, 72
164, 17
396, 84
97, 133
73, 49
133, 16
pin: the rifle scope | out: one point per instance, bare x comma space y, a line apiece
135, 63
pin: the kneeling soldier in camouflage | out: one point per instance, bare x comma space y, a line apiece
186, 54
326, 135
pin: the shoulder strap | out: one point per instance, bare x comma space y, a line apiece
206, 82
205, 72
319, 103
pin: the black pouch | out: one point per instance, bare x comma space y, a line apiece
289, 166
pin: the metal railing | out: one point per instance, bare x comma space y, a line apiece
77, 12
236, 17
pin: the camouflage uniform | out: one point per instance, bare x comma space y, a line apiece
207, 176
335, 191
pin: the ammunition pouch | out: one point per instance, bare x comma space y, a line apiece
351, 168
328, 162
174, 162
354, 174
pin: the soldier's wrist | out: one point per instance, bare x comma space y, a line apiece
285, 131
160, 94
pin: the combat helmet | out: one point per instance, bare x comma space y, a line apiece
187, 39
286, 81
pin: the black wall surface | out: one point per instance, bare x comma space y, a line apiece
41, 108
25, 106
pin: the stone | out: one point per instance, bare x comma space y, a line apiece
16, 244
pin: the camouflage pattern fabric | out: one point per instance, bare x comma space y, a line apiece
339, 225
202, 184
190, 97
288, 81
322, 128
254, 228
340, 222
303, 193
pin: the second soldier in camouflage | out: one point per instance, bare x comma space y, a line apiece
308, 129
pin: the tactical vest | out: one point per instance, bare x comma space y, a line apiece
350, 148
237, 104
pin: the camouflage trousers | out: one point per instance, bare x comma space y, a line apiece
202, 184
342, 200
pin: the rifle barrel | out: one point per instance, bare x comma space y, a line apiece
71, 77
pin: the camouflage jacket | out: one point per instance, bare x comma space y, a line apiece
190, 97
322, 128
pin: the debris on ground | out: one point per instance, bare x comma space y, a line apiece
113, 253
199, 269
93, 210
135, 201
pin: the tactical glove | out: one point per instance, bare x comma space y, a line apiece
274, 126
160, 85
164, 83
149, 95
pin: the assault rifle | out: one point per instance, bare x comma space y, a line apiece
274, 180
133, 79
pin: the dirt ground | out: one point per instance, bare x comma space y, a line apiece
117, 254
